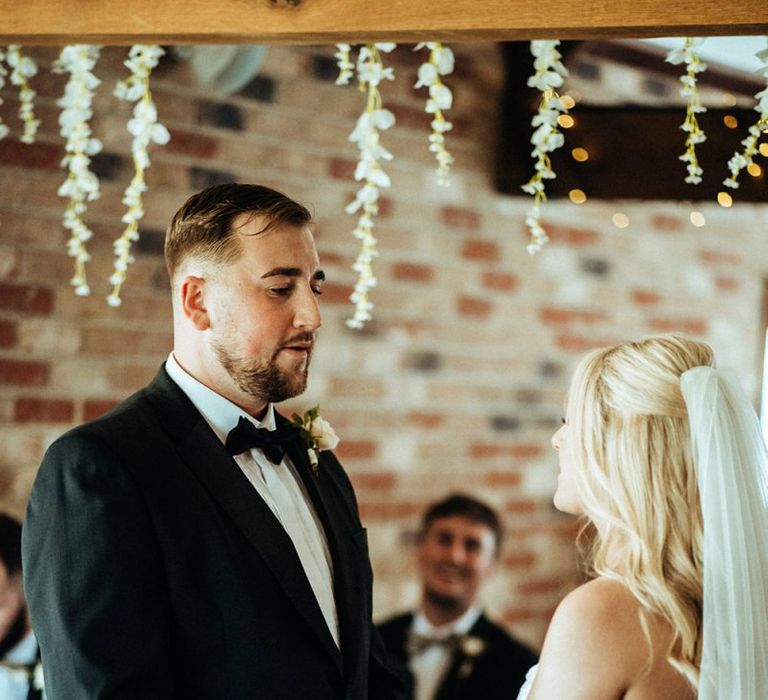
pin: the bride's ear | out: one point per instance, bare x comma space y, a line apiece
192, 302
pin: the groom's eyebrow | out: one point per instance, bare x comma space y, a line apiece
318, 276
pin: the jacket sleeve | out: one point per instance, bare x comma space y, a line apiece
94, 578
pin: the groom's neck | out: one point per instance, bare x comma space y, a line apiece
442, 611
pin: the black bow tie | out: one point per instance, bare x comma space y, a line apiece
271, 442
417, 643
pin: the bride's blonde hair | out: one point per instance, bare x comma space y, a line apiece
636, 480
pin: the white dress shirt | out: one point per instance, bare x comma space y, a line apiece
430, 665
279, 485
14, 679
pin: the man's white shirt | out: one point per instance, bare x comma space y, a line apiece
279, 485
430, 665
14, 682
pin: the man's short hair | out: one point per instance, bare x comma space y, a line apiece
203, 225
10, 543
467, 507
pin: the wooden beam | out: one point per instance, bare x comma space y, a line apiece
38, 22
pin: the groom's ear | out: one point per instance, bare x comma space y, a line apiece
192, 298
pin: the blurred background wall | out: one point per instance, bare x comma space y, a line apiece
459, 381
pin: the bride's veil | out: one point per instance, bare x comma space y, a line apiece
732, 472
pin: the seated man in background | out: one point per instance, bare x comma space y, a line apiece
20, 669
450, 647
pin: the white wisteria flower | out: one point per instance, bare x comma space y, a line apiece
549, 75
742, 160
81, 185
24, 68
366, 134
441, 61
344, 62
3, 73
145, 129
688, 54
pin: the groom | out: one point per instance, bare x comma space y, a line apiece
185, 545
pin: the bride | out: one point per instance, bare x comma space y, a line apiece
662, 455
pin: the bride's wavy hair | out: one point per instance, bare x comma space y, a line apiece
637, 483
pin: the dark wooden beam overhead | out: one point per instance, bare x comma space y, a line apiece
330, 21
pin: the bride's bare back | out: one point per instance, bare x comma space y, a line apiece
596, 650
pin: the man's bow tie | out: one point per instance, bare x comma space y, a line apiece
246, 435
420, 642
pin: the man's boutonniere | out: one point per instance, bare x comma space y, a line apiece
471, 647
316, 433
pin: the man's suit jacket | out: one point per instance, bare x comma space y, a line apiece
495, 673
153, 569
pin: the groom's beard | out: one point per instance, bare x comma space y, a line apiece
264, 379
15, 633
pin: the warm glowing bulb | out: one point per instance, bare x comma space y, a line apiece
754, 170
764, 149
577, 196
566, 121
729, 100
620, 220
724, 199
580, 154
730, 121
568, 101
697, 218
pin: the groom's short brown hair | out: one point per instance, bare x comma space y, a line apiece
203, 225
467, 507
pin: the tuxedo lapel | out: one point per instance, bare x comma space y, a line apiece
223, 479
349, 591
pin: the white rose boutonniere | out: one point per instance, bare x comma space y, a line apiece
316, 433
471, 647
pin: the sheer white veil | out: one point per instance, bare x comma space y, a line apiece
731, 466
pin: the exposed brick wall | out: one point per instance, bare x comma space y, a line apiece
460, 380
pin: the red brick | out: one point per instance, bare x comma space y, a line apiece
500, 281
726, 283
342, 168
482, 450
375, 481
30, 410
471, 306
356, 449
548, 585
551, 314
521, 506
336, 293
191, 144
579, 343
423, 419
519, 560
569, 235
679, 325
505, 478
386, 207
663, 222
8, 334
460, 217
410, 118
481, 250
412, 272
27, 298
33, 155
717, 256
93, 408
389, 510
517, 616
23, 373
645, 298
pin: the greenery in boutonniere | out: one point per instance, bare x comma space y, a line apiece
316, 434
471, 647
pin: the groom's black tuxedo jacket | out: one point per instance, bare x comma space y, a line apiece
495, 673
153, 569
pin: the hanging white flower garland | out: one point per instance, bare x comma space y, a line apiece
24, 68
145, 130
344, 62
81, 185
441, 62
739, 161
688, 55
370, 73
549, 75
